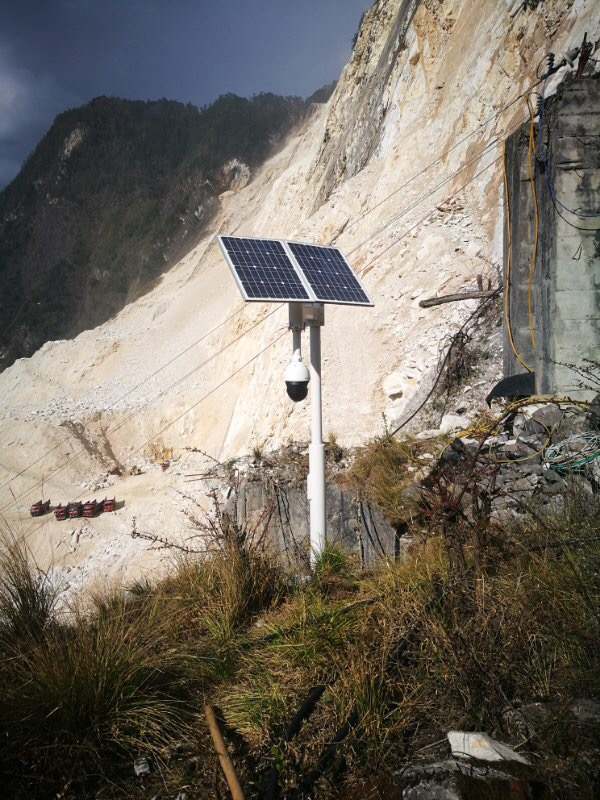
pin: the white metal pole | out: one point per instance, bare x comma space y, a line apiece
316, 453
296, 325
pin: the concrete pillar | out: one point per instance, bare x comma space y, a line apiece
566, 285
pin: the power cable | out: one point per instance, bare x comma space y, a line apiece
187, 375
130, 391
440, 158
65, 464
396, 217
479, 310
428, 194
417, 202
426, 216
571, 224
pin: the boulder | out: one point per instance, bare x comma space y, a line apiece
455, 780
393, 386
454, 422
141, 767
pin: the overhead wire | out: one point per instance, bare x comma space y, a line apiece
394, 219
403, 186
426, 196
478, 311
168, 363
419, 200
177, 418
140, 409
112, 430
425, 217
437, 160
130, 391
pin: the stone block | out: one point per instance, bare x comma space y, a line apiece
454, 422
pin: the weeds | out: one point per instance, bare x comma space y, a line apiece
398, 659
382, 471
27, 598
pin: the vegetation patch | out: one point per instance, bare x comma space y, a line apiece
339, 677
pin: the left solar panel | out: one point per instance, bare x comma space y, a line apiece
263, 270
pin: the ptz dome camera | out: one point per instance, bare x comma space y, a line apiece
296, 380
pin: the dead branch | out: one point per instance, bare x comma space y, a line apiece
221, 750
452, 298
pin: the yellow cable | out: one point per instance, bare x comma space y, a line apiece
507, 281
537, 223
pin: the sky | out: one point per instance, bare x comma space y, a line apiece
58, 54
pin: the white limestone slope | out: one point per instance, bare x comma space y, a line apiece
404, 101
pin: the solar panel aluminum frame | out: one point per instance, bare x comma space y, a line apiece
311, 296
286, 244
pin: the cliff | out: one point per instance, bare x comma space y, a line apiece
115, 193
402, 169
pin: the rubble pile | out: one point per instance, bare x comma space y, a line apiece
538, 454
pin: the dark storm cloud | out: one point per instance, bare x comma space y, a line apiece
56, 54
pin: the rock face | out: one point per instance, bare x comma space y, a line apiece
111, 198
353, 525
357, 114
401, 169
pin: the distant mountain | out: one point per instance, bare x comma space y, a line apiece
113, 195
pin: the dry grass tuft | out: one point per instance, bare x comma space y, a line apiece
398, 658
383, 469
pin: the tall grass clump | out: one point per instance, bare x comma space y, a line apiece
27, 597
468, 651
95, 685
81, 690
383, 469
220, 594
349, 670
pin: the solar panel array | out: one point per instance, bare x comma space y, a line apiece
276, 270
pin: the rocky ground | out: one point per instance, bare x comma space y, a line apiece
184, 366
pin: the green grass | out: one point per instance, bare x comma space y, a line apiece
407, 653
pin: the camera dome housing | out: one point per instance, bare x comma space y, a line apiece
296, 380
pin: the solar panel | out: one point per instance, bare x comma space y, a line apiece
263, 270
330, 276
279, 270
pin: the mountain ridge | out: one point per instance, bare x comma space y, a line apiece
115, 193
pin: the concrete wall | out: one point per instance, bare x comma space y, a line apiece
566, 278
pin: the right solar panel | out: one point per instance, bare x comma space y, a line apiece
330, 276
